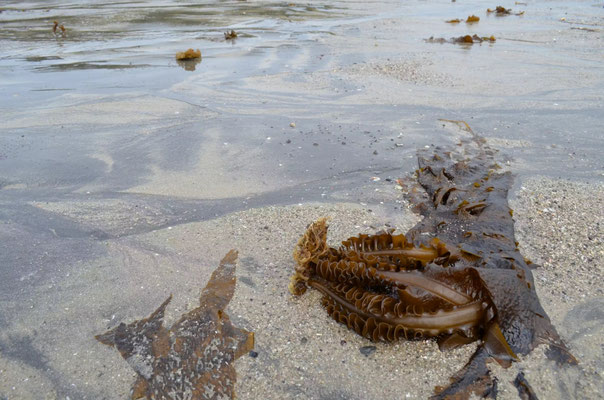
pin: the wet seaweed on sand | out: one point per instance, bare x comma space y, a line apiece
456, 277
194, 358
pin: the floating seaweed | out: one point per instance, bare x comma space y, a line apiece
60, 27
230, 35
501, 11
188, 59
194, 358
470, 20
456, 277
189, 54
467, 39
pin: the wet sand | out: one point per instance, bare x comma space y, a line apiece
302, 353
119, 186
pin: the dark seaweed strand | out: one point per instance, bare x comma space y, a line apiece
525, 391
475, 378
468, 205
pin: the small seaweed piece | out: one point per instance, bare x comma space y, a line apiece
194, 358
525, 391
474, 378
470, 20
466, 39
230, 35
189, 54
60, 27
473, 39
501, 11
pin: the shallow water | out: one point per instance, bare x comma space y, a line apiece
292, 62
105, 138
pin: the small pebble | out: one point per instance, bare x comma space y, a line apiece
253, 354
367, 350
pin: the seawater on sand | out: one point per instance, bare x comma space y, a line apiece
106, 169
302, 353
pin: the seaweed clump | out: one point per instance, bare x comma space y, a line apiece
502, 11
189, 54
456, 277
470, 20
466, 39
194, 358
56, 27
230, 35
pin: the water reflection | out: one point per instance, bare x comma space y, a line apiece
115, 34
189, 65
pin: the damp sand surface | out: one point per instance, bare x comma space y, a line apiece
125, 177
49, 348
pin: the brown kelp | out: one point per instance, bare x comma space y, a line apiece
230, 35
470, 20
189, 54
501, 11
467, 39
457, 276
194, 358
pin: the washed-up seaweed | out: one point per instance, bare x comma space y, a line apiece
194, 359
189, 54
525, 391
470, 20
230, 35
467, 39
56, 26
501, 11
456, 277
